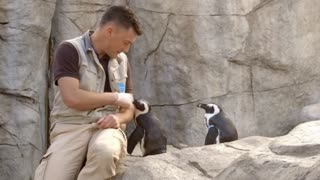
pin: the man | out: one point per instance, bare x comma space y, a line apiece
94, 96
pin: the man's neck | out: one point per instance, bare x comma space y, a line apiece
95, 40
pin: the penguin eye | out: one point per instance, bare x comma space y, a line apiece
212, 109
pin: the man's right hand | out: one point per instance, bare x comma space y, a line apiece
124, 100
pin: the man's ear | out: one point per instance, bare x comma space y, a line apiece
109, 30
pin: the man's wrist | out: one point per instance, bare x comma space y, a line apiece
120, 119
116, 97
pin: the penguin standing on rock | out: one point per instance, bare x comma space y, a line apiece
147, 132
220, 128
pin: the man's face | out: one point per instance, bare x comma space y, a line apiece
119, 39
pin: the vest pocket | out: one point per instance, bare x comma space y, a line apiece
118, 76
88, 78
119, 81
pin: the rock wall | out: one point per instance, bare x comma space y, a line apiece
258, 59
24, 35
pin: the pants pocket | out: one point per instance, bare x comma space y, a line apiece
41, 169
124, 134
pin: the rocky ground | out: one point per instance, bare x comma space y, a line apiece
290, 157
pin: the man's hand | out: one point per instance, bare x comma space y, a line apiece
124, 100
109, 121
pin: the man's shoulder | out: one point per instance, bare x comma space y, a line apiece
66, 43
73, 42
66, 47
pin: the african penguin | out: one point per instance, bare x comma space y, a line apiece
147, 132
220, 128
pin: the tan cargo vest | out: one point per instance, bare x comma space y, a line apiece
92, 78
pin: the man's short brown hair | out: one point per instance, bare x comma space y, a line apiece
123, 16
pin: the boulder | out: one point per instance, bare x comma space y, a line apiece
311, 112
293, 156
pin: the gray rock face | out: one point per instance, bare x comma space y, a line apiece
293, 156
257, 59
302, 141
311, 112
243, 55
73, 18
24, 33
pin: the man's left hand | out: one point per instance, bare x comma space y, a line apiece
109, 121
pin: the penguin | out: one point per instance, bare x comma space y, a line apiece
148, 133
220, 128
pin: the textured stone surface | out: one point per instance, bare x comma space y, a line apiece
311, 112
190, 163
293, 156
302, 141
73, 18
253, 157
257, 59
245, 55
24, 33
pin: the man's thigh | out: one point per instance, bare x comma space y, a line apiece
106, 148
114, 139
67, 152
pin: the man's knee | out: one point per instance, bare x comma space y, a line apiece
107, 151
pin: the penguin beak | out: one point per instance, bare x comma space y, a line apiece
135, 103
202, 106
199, 105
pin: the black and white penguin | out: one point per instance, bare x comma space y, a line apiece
148, 133
220, 128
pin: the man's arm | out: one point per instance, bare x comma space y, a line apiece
79, 99
114, 120
126, 114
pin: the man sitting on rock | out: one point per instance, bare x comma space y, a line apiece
93, 97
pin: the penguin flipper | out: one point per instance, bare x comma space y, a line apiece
212, 135
134, 138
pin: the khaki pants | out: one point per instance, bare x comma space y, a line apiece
82, 152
